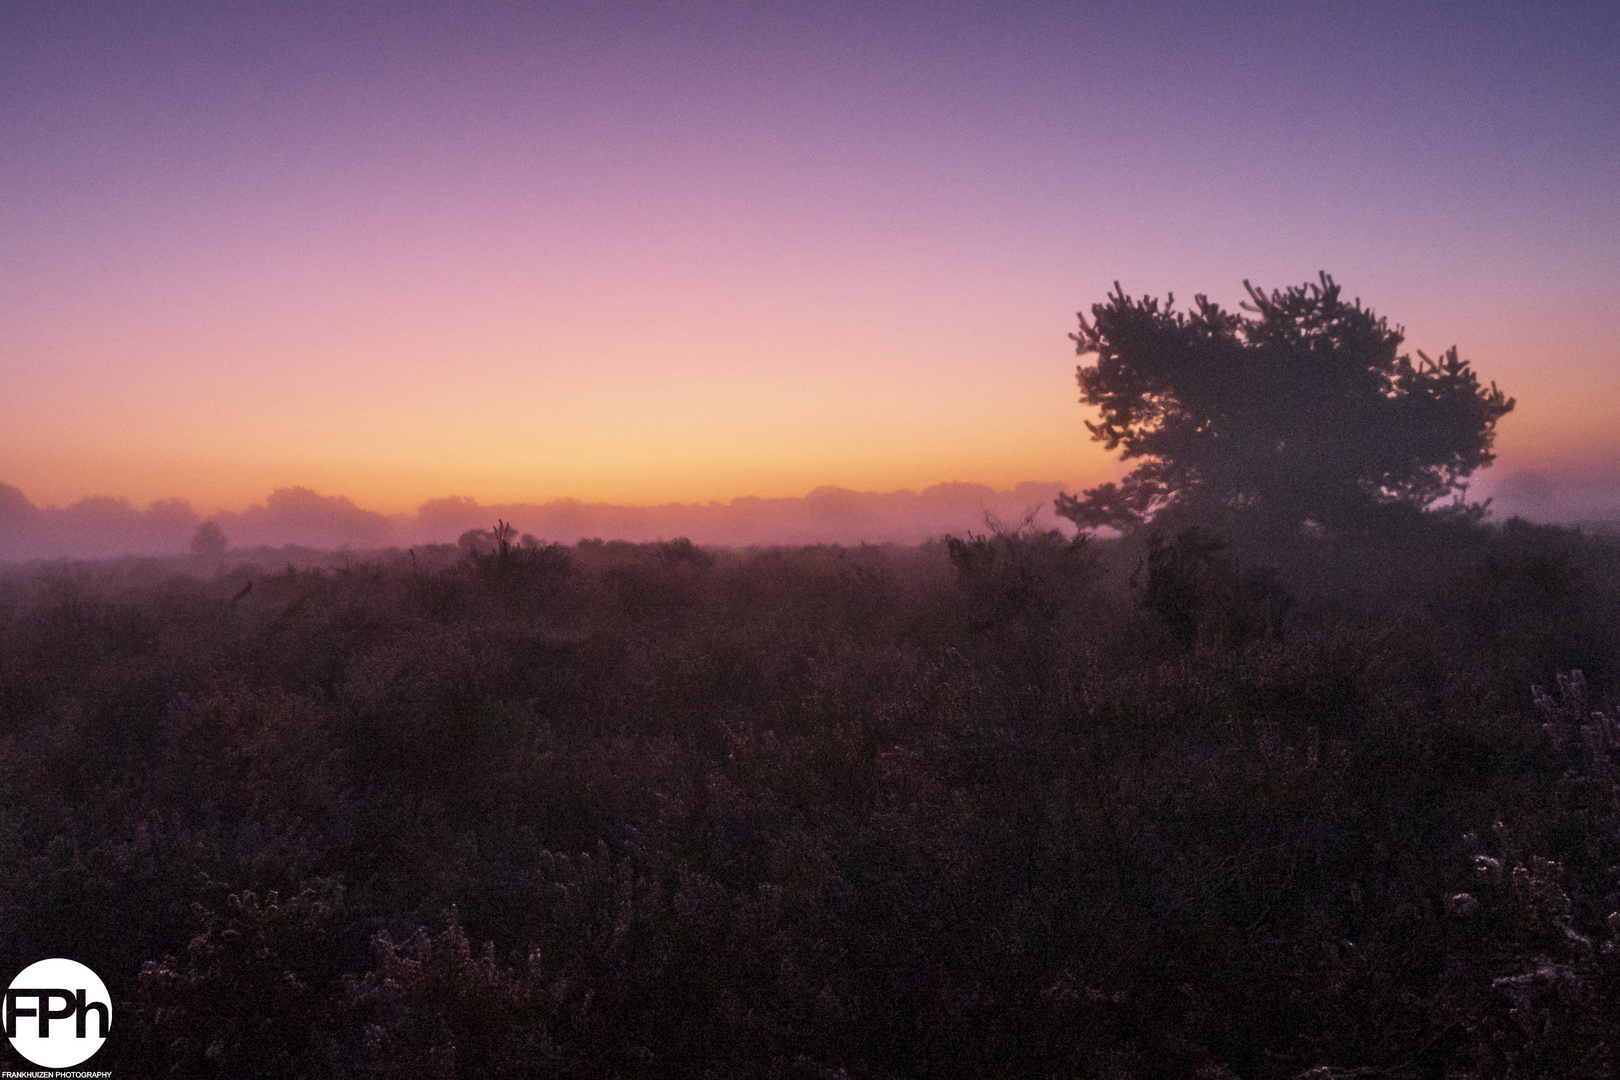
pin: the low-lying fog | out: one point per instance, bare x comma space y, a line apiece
105, 527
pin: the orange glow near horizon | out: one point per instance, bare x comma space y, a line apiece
740, 254
648, 421
497, 411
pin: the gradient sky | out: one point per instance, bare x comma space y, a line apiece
641, 253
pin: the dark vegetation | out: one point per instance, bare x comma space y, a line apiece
1009, 806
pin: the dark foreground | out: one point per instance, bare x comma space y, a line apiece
984, 811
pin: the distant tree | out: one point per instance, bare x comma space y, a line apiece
1302, 410
209, 541
477, 543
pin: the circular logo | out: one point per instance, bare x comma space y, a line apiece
57, 1013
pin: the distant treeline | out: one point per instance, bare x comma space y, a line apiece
1008, 805
107, 527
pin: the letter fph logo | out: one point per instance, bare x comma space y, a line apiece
57, 1013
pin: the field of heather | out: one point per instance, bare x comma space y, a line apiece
1005, 806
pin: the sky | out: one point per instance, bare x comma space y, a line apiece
655, 253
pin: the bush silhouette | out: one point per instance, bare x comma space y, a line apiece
1193, 584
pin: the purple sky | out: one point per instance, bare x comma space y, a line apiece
639, 253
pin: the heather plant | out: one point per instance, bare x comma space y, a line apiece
1196, 589
247, 996
1019, 570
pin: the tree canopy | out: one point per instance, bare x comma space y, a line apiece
1300, 408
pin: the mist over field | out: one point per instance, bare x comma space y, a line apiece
1016, 805
107, 527
104, 527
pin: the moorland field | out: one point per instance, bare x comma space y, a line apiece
1003, 806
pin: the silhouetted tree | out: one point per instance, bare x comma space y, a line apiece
209, 541
1302, 410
